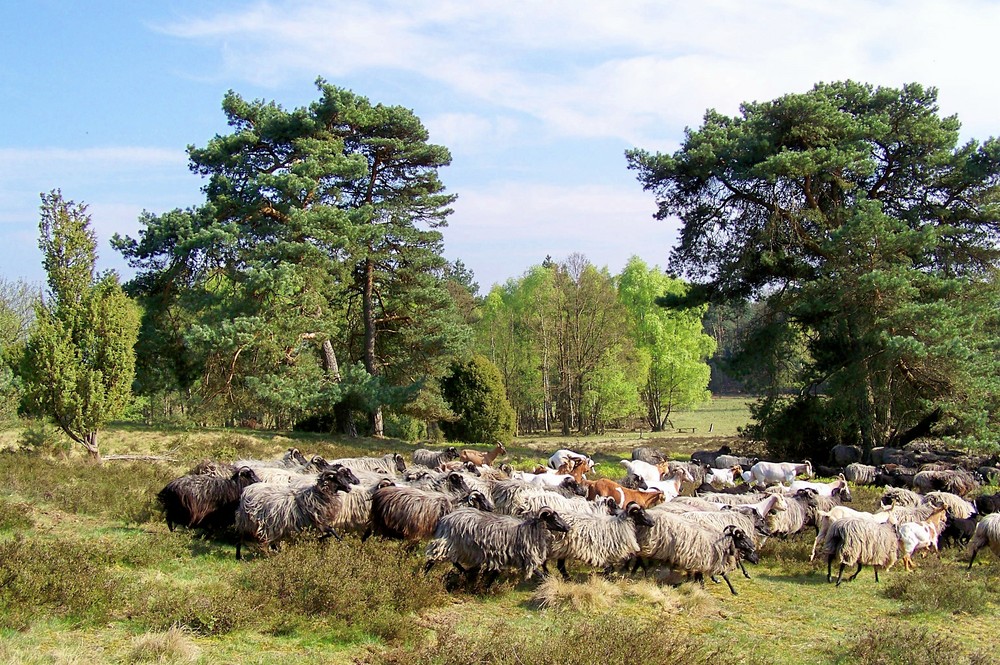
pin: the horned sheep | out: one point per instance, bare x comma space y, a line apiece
206, 501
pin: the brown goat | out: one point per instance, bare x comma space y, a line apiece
479, 458
623, 495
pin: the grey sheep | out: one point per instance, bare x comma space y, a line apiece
390, 464
434, 458
649, 455
473, 540
411, 514
601, 541
352, 511
987, 533
514, 497
860, 474
900, 496
684, 545
270, 513
205, 501
860, 542
292, 459
728, 461
956, 481
955, 505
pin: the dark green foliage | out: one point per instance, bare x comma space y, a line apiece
866, 232
476, 394
888, 642
14, 515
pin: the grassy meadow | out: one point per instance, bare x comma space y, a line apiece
90, 573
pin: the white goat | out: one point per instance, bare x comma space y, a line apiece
915, 536
763, 473
725, 477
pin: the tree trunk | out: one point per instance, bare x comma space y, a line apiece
344, 420
90, 443
368, 313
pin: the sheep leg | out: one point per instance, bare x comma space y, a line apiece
973, 557
699, 577
489, 578
829, 567
841, 572
858, 572
329, 531
876, 573
366, 535
743, 568
561, 565
730, 584
427, 566
239, 548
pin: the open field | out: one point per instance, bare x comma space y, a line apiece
90, 573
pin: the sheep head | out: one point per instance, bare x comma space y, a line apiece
742, 543
293, 454
552, 521
457, 482
480, 501
345, 473
638, 515
400, 462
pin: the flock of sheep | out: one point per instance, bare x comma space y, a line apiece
486, 518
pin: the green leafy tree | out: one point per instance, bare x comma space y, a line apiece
17, 304
475, 392
317, 251
79, 360
672, 339
855, 217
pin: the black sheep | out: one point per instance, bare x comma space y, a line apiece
204, 501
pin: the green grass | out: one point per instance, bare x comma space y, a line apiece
89, 573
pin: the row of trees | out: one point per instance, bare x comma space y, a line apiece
579, 349
846, 243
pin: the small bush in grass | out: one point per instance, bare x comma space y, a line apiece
171, 646
571, 639
64, 578
888, 642
14, 515
42, 438
941, 586
596, 593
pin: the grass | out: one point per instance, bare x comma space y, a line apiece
89, 573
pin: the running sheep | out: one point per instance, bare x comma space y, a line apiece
599, 540
473, 540
270, 513
987, 533
411, 514
204, 501
860, 542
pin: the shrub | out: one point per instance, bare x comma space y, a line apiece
943, 587
14, 515
476, 394
888, 642
171, 646
41, 438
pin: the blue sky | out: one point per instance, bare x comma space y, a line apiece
537, 101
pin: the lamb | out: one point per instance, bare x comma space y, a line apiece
708, 457
987, 533
860, 542
204, 501
956, 481
472, 540
389, 464
919, 535
764, 473
686, 546
410, 514
599, 540
860, 474
480, 458
432, 458
271, 513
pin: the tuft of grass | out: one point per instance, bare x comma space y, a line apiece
171, 646
595, 594
943, 587
889, 642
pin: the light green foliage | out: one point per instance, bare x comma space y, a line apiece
671, 339
475, 392
17, 305
317, 251
867, 233
79, 361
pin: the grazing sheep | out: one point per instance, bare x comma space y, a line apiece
434, 458
987, 533
472, 540
480, 458
271, 513
411, 514
708, 457
955, 481
204, 501
601, 541
766, 473
860, 474
564, 456
696, 550
389, 464
860, 542
649, 455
